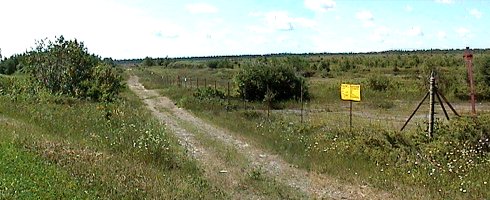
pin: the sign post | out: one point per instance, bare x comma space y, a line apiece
468, 57
350, 92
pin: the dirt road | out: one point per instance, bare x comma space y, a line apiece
230, 175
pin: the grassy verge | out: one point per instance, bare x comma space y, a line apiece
25, 175
112, 151
408, 163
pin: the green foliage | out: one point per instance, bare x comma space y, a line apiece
484, 70
105, 85
219, 64
379, 82
12, 64
213, 64
254, 80
482, 77
185, 64
147, 62
209, 93
65, 67
296, 62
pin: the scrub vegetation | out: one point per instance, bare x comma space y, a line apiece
374, 151
70, 128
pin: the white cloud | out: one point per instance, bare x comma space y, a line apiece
380, 34
320, 5
280, 20
415, 31
445, 1
408, 8
102, 33
476, 13
366, 18
463, 32
201, 8
441, 35
304, 22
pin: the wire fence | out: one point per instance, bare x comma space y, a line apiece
335, 113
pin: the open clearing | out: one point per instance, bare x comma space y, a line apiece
217, 169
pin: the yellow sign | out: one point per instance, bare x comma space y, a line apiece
350, 92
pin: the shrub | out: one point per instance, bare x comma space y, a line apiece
254, 80
208, 93
105, 85
222, 63
379, 83
213, 64
148, 62
65, 67
12, 64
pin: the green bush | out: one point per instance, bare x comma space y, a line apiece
148, 62
209, 93
254, 80
219, 64
64, 67
379, 82
10, 65
105, 85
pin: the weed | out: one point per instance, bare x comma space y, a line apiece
256, 174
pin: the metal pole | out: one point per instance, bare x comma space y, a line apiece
432, 101
228, 96
350, 116
468, 55
449, 104
302, 106
415, 111
442, 105
268, 103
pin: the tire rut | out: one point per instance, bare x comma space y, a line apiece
316, 186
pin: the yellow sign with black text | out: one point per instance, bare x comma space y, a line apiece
349, 92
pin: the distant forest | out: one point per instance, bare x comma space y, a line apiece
397, 54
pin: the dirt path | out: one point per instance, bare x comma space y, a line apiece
315, 186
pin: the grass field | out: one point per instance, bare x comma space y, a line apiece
57, 147
375, 152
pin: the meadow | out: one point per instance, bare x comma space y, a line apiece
108, 146
60, 147
374, 151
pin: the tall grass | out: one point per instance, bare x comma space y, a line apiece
373, 152
112, 150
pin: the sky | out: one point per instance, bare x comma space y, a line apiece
124, 29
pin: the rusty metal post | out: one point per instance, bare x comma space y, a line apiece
468, 56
